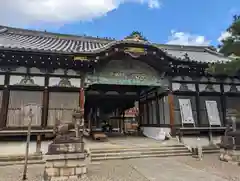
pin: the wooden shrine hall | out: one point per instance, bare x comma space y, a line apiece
55, 73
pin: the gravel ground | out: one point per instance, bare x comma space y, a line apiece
151, 169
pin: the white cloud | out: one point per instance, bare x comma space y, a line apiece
183, 38
224, 36
25, 12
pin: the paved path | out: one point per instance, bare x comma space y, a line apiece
152, 169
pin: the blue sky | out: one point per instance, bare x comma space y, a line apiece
161, 21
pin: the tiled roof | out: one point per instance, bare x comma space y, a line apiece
22, 39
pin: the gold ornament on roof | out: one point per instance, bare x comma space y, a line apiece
135, 36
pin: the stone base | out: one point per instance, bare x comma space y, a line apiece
58, 148
64, 166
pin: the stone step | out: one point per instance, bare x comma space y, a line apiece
139, 156
111, 150
211, 151
153, 146
6, 158
138, 152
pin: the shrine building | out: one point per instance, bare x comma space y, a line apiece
55, 73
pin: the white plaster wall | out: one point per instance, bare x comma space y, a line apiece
19, 147
154, 132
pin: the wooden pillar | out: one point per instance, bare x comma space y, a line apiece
5, 102
4, 110
90, 120
45, 107
38, 144
157, 108
198, 106
171, 110
147, 111
82, 94
82, 102
140, 113
122, 122
82, 98
223, 104
198, 110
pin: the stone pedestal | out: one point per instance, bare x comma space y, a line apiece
65, 160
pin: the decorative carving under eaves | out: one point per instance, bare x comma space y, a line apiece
26, 80
135, 52
233, 88
183, 87
130, 72
64, 82
209, 88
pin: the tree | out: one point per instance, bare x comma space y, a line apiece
230, 47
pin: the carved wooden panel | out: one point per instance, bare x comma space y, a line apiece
64, 82
183, 87
231, 88
209, 88
18, 103
61, 106
27, 80
126, 72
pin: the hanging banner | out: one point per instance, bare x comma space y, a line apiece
213, 113
186, 111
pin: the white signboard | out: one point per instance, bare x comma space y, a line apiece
186, 111
213, 113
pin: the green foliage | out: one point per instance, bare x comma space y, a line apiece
229, 47
228, 68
